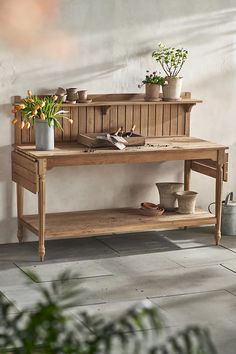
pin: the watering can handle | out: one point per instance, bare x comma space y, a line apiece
209, 207
229, 197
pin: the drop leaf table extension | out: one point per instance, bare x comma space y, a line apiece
167, 128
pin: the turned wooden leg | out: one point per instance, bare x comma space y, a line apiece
218, 196
187, 175
41, 212
20, 208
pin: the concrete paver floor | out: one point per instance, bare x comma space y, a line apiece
181, 271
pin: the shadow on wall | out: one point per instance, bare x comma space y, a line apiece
7, 187
72, 76
8, 222
124, 43
197, 30
128, 14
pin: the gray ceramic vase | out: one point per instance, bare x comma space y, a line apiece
44, 135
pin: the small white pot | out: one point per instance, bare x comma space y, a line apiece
172, 90
152, 92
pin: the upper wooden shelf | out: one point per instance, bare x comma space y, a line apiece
129, 102
123, 99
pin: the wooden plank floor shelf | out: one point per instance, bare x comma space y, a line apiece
166, 126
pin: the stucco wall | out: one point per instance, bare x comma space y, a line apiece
112, 45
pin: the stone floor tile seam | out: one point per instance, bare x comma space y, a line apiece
33, 244
88, 328
29, 243
71, 279
195, 247
186, 294
8, 262
127, 331
228, 291
35, 247
74, 278
25, 273
4, 295
229, 269
178, 264
138, 252
10, 301
114, 302
181, 265
202, 265
151, 272
93, 304
107, 245
227, 248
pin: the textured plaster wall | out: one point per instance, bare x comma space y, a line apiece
112, 43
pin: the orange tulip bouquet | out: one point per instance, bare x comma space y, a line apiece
47, 108
44, 113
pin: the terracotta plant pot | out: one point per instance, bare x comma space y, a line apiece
152, 92
148, 205
167, 192
150, 209
186, 202
172, 90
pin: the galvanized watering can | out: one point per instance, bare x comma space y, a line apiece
228, 219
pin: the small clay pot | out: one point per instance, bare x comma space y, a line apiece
82, 95
167, 192
152, 92
72, 94
147, 205
150, 209
60, 91
186, 202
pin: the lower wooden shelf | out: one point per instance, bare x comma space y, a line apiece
100, 222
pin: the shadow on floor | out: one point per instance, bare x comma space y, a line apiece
114, 245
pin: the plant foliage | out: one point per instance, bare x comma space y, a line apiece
48, 329
152, 78
170, 59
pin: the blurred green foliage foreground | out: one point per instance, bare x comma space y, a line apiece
50, 328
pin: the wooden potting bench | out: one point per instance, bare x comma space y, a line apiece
167, 128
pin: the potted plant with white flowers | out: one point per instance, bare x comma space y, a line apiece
44, 113
171, 61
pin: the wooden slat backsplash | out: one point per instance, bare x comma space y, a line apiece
150, 120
